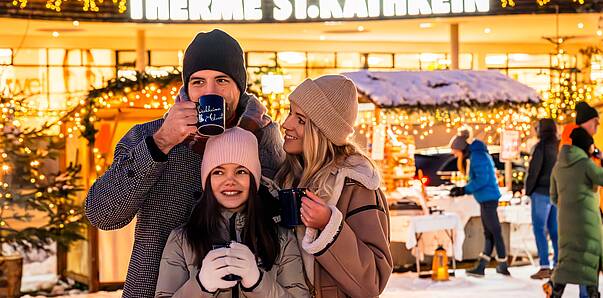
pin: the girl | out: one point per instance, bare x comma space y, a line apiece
345, 237
199, 259
483, 186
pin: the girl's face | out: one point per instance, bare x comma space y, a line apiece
230, 184
294, 130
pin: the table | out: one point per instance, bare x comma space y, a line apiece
518, 216
410, 229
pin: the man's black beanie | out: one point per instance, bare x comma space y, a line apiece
215, 50
584, 112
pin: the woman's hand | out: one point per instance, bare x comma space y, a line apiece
315, 213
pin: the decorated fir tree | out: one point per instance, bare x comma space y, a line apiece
31, 186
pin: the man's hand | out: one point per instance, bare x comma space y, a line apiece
179, 124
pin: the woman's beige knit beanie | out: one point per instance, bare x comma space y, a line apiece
331, 103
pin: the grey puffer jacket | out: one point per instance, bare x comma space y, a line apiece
178, 271
162, 193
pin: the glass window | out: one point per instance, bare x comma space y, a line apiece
381, 60
407, 61
466, 61
321, 60
349, 60
596, 70
291, 59
316, 72
6, 56
57, 57
563, 61
126, 58
293, 76
29, 57
164, 58
261, 59
496, 60
27, 80
433, 61
100, 75
538, 79
529, 60
99, 57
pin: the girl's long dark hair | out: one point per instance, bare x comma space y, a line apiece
260, 233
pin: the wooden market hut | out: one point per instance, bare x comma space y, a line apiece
417, 104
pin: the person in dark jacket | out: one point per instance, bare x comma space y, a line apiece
483, 186
155, 172
537, 186
573, 183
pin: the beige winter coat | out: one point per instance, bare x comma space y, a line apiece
178, 272
351, 257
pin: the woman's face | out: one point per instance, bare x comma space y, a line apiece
294, 130
230, 184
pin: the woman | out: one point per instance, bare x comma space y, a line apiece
197, 261
573, 185
345, 237
484, 188
537, 186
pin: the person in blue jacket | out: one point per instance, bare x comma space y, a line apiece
483, 185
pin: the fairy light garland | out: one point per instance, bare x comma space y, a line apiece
87, 5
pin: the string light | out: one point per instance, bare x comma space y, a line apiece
87, 5
511, 3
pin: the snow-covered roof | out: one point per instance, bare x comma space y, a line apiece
442, 87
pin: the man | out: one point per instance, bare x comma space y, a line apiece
586, 117
155, 174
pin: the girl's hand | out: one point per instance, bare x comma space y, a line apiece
314, 211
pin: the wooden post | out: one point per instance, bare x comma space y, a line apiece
62, 253
93, 267
141, 51
509, 175
454, 46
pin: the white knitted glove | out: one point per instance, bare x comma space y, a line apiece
213, 268
242, 262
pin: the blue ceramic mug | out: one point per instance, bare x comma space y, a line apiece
290, 201
211, 119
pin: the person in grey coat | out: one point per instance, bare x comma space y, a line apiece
155, 173
232, 232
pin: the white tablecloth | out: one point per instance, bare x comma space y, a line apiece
404, 228
519, 216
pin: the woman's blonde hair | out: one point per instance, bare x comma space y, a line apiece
319, 158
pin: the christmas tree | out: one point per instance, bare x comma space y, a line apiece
30, 185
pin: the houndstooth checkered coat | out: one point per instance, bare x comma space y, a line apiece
161, 194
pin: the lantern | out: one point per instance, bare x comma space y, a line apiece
439, 267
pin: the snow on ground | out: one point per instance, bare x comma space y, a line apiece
493, 285
434, 88
408, 285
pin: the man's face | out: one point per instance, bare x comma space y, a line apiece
207, 81
591, 126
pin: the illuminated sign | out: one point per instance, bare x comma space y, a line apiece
297, 10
